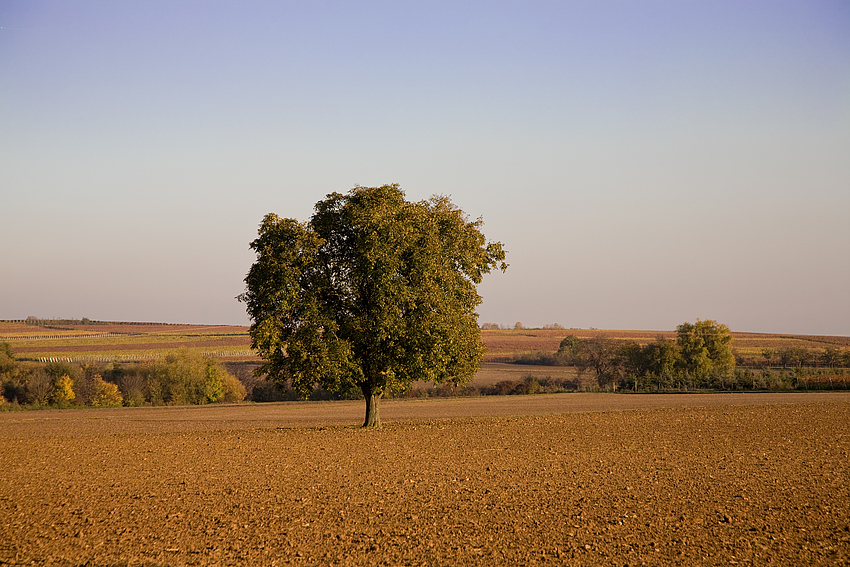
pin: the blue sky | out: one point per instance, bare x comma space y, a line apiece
644, 163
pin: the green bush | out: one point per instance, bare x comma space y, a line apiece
186, 378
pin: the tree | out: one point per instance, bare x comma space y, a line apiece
601, 354
40, 387
831, 357
768, 354
9, 384
7, 359
374, 292
660, 358
705, 349
568, 349
184, 377
63, 394
106, 394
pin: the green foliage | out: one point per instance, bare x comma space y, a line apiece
659, 359
373, 292
569, 347
184, 378
7, 359
700, 357
10, 386
705, 349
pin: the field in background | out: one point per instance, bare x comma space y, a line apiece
106, 342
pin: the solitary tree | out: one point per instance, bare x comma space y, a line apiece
374, 292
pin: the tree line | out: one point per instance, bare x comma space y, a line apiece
700, 357
799, 357
180, 378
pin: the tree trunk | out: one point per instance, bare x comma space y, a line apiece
373, 398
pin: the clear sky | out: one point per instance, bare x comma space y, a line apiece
644, 163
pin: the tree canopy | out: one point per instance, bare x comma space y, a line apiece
374, 292
705, 348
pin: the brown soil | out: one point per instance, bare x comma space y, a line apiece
566, 479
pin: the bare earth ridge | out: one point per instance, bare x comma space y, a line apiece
562, 479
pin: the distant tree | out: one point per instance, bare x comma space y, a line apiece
794, 356
705, 349
131, 383
106, 394
374, 292
768, 354
86, 384
601, 354
490, 327
661, 356
53, 373
7, 359
831, 357
518, 325
39, 387
660, 359
803, 356
183, 377
633, 361
63, 393
9, 382
568, 349
786, 357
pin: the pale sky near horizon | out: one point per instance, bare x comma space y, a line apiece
644, 163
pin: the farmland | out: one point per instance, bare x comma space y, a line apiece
115, 341
111, 342
564, 479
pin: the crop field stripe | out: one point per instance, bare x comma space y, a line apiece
58, 337
128, 357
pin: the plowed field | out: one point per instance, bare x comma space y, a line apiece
564, 479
